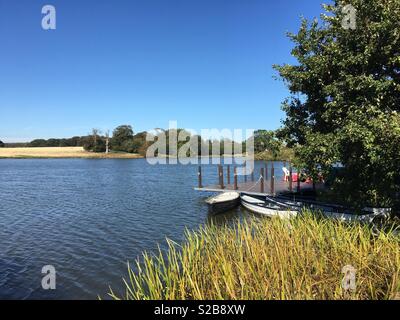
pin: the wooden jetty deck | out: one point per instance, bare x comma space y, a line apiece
260, 183
251, 187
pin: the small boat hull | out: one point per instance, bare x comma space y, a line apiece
223, 202
332, 211
266, 208
286, 208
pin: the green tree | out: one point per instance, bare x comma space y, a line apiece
94, 142
38, 143
267, 141
346, 98
100, 145
139, 143
122, 137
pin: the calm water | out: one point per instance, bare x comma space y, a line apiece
87, 218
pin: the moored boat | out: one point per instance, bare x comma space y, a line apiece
338, 212
223, 202
281, 205
259, 205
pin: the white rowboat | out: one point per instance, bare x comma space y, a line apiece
286, 208
223, 202
266, 208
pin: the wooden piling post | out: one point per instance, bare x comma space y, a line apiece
200, 178
235, 179
266, 171
228, 173
290, 179
262, 181
272, 179
298, 181
252, 175
245, 171
221, 174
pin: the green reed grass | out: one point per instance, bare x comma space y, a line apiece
271, 259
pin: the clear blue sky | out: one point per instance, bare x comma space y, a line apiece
204, 63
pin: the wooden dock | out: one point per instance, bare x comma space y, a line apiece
257, 183
251, 188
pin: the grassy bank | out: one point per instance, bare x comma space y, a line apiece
271, 259
60, 152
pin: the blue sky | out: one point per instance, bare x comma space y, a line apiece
203, 63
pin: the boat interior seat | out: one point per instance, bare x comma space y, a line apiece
252, 200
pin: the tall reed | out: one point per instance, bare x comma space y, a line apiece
271, 259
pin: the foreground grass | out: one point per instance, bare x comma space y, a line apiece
60, 152
271, 259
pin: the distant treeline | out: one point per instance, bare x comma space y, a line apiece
266, 143
123, 139
65, 142
70, 142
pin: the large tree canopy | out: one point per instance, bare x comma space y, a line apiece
122, 138
345, 98
266, 140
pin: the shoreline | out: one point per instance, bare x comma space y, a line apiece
80, 153
61, 153
72, 157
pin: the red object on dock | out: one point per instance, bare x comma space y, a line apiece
294, 177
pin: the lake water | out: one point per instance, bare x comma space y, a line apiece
87, 218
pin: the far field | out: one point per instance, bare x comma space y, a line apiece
61, 152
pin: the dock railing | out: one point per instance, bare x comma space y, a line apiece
266, 183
